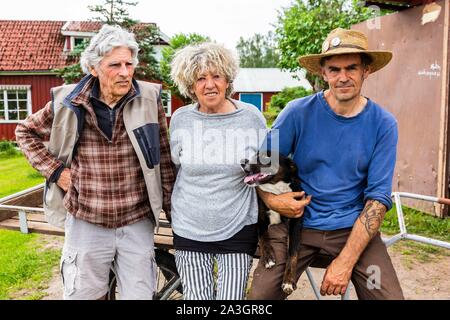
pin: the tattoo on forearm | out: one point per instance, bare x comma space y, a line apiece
372, 216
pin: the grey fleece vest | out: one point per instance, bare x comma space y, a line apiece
138, 114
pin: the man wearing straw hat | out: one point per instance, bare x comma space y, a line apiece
344, 145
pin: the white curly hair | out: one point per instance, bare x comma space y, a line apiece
193, 60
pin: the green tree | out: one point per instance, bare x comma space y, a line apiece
73, 73
259, 51
115, 12
177, 42
146, 37
302, 28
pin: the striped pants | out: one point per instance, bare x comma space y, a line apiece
196, 271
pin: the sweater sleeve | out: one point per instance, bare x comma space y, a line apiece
381, 168
30, 136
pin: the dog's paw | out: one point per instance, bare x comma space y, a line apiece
268, 260
288, 288
270, 264
268, 257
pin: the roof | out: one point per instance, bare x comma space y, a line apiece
396, 4
30, 45
267, 80
91, 27
82, 26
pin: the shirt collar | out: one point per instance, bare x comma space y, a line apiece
91, 89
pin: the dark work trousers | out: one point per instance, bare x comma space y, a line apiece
266, 283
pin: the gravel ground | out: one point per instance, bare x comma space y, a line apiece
427, 278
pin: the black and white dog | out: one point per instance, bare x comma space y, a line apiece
275, 179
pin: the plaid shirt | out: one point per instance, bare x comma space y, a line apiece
107, 185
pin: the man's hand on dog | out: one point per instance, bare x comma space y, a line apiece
336, 278
290, 204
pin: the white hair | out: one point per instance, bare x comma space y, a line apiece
193, 60
108, 38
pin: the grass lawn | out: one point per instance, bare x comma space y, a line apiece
26, 265
418, 223
16, 175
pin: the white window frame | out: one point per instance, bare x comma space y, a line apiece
168, 108
72, 41
4, 93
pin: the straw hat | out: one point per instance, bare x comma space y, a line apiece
343, 41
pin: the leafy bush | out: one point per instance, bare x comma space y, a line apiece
5, 145
8, 149
271, 114
280, 100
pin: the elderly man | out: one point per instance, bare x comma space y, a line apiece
344, 145
108, 169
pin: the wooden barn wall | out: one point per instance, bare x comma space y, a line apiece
176, 104
411, 88
40, 95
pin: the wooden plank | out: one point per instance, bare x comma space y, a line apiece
10, 224
35, 217
39, 217
165, 232
164, 224
6, 214
31, 199
164, 241
38, 227
38, 224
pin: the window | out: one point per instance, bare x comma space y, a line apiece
78, 41
15, 103
166, 98
74, 41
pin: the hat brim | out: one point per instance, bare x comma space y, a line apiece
379, 59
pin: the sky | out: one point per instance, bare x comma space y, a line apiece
222, 20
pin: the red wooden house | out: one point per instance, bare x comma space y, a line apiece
29, 53
258, 85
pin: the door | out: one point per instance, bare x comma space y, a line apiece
255, 99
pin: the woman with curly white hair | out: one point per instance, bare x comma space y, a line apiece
214, 214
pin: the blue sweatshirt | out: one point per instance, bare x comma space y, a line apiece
342, 161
